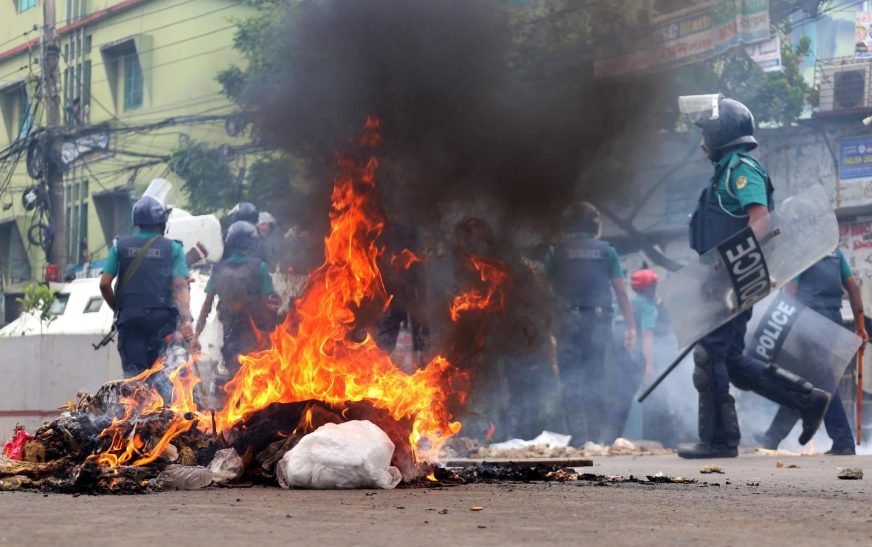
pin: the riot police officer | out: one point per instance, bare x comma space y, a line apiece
246, 297
245, 211
820, 288
738, 194
151, 297
584, 271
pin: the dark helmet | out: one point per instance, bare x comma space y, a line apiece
241, 238
734, 126
149, 211
582, 216
246, 212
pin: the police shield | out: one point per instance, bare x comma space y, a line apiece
745, 268
793, 336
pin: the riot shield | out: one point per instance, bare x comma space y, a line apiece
793, 336
742, 270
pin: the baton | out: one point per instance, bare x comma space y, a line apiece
666, 372
860, 394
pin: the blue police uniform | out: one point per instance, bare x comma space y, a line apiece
240, 283
738, 182
147, 312
582, 270
820, 288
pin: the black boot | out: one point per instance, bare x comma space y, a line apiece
718, 429
788, 389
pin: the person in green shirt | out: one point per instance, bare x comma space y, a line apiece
151, 298
246, 296
584, 272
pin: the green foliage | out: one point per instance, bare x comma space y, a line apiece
209, 181
214, 184
38, 299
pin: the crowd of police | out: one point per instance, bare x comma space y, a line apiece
582, 273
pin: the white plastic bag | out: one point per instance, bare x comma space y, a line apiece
226, 466
184, 477
354, 454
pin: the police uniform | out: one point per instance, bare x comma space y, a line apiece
738, 182
582, 270
820, 288
240, 282
147, 312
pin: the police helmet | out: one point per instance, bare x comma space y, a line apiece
583, 217
642, 280
246, 212
149, 211
733, 126
241, 238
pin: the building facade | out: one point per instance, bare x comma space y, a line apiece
137, 77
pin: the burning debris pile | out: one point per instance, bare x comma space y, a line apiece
322, 366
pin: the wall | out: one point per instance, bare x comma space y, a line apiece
41, 373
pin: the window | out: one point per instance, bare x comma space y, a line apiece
94, 305
76, 197
124, 73
59, 305
16, 111
132, 82
24, 5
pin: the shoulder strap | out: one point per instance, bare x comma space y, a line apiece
134, 266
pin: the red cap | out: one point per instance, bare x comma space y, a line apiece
643, 279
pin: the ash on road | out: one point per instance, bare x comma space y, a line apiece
753, 503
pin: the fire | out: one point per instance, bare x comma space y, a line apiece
405, 259
325, 355
128, 448
321, 352
494, 276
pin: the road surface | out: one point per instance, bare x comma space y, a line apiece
753, 503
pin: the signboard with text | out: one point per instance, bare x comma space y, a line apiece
703, 30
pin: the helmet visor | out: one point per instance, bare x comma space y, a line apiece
160, 190
698, 109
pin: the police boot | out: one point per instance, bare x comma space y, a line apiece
781, 426
714, 440
788, 389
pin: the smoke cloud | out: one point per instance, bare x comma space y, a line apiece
459, 124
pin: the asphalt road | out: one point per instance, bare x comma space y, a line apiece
753, 503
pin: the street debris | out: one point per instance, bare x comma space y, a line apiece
711, 468
851, 474
226, 466
562, 475
548, 445
14, 447
184, 477
662, 478
782, 465
476, 508
354, 454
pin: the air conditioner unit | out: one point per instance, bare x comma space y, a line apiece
845, 87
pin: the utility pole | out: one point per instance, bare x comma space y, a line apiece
53, 167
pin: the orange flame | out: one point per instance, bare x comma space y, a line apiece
125, 446
494, 276
404, 259
324, 355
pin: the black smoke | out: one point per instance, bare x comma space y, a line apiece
460, 121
